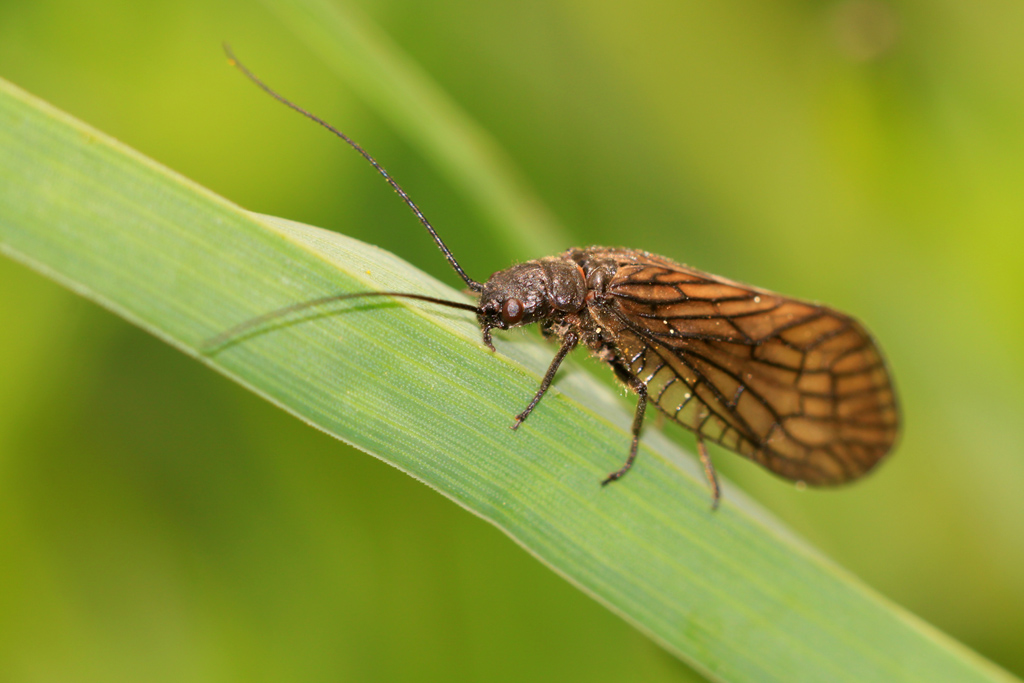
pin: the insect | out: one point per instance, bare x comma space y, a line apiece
799, 388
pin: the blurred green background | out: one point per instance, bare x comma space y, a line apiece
159, 523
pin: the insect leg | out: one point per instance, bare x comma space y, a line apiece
568, 344
638, 420
709, 472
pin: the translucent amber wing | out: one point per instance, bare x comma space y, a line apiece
800, 388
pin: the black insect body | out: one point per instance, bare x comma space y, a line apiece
797, 387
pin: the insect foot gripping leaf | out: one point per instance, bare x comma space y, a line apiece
799, 388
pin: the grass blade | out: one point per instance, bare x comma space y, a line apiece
731, 593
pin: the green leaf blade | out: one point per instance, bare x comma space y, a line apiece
729, 592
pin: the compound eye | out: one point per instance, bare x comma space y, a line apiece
512, 311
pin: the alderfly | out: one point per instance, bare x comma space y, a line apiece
797, 387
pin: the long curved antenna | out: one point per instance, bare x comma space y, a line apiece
223, 338
470, 282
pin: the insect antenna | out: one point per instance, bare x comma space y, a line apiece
238, 331
470, 282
